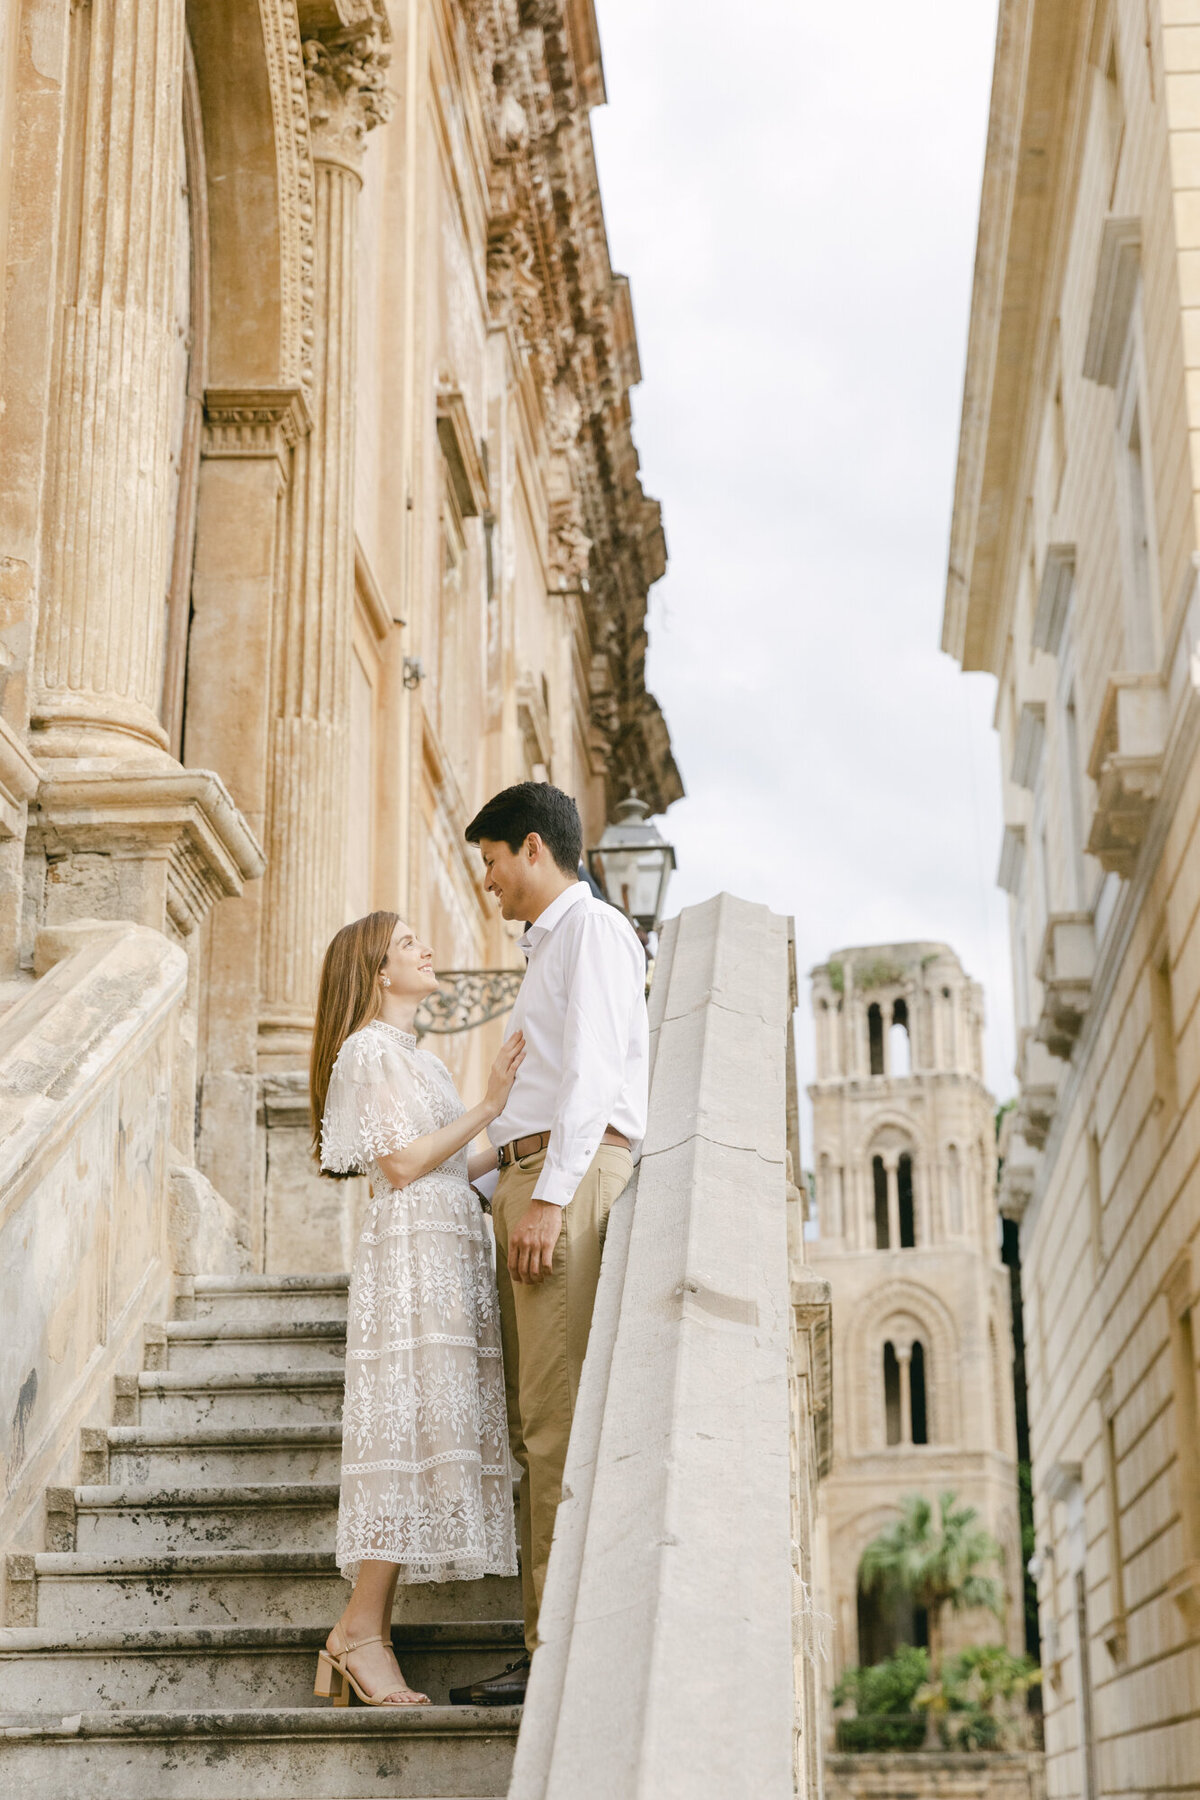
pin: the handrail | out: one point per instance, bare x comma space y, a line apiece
666, 1660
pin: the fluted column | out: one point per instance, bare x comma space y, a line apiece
98, 664
309, 752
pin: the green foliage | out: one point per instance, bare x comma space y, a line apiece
887, 1688
881, 1733
1000, 1112
935, 1557
877, 974
980, 1691
985, 1673
837, 977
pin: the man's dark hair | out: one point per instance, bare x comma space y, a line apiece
510, 816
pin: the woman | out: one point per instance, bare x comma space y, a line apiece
426, 1480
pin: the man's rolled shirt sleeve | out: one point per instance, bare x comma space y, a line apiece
604, 987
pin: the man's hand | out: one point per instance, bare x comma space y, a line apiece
531, 1242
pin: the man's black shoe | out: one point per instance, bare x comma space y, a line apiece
505, 1689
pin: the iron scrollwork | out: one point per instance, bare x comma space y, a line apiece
467, 998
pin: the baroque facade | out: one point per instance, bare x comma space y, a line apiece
1073, 580
320, 519
904, 1161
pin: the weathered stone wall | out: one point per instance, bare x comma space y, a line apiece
934, 1776
1073, 580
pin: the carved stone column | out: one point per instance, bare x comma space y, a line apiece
904, 1360
119, 829
98, 660
309, 751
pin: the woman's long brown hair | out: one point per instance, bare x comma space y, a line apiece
347, 1000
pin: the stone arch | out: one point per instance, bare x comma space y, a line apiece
846, 1554
250, 77
902, 1312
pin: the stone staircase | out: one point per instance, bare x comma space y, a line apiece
164, 1645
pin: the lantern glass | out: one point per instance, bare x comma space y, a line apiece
633, 864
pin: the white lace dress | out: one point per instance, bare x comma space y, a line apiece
426, 1479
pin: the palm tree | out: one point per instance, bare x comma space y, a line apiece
934, 1557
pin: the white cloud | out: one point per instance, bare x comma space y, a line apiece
793, 192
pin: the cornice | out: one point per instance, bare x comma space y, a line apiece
1041, 58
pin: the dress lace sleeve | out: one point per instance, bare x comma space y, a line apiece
366, 1109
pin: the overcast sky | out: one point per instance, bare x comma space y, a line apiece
793, 190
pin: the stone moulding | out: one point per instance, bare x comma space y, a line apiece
1126, 765
146, 812
1065, 969
19, 777
467, 474
1118, 271
255, 422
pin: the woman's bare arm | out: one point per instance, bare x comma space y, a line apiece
429, 1152
481, 1163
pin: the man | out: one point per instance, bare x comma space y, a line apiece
566, 1141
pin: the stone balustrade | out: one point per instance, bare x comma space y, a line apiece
97, 1212
677, 1656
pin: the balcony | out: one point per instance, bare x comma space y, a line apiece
1037, 1072
1126, 765
1018, 1169
1065, 969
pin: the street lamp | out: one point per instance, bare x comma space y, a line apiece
633, 864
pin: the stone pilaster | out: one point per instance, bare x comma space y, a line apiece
309, 748
98, 661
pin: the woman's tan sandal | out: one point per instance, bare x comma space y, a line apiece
334, 1680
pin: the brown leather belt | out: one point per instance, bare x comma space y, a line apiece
540, 1140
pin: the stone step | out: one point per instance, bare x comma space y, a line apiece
265, 1397
302, 1753
207, 1346
279, 1296
74, 1592
47, 1672
265, 1453
160, 1521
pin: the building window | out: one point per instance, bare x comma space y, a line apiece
1087, 1726
1187, 1413
905, 1404
1134, 516
891, 1393
880, 1181
1075, 805
1162, 1019
1095, 1199
908, 1223
875, 1038
1115, 1636
899, 1041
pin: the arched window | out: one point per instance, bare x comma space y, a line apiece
908, 1220
879, 1177
899, 1045
920, 1425
891, 1393
951, 1056
905, 1401
875, 1038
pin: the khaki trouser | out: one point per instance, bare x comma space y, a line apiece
544, 1327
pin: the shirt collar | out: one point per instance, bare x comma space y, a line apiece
554, 913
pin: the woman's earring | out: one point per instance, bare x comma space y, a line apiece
385, 981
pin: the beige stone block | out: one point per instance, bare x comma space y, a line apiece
1189, 277
1187, 219
1181, 49
1185, 158
1178, 13
1183, 102
1189, 320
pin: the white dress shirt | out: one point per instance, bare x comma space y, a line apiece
582, 1007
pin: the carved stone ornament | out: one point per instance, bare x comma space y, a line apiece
467, 998
347, 95
514, 291
293, 149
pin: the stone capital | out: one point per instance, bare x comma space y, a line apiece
254, 423
347, 96
149, 842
